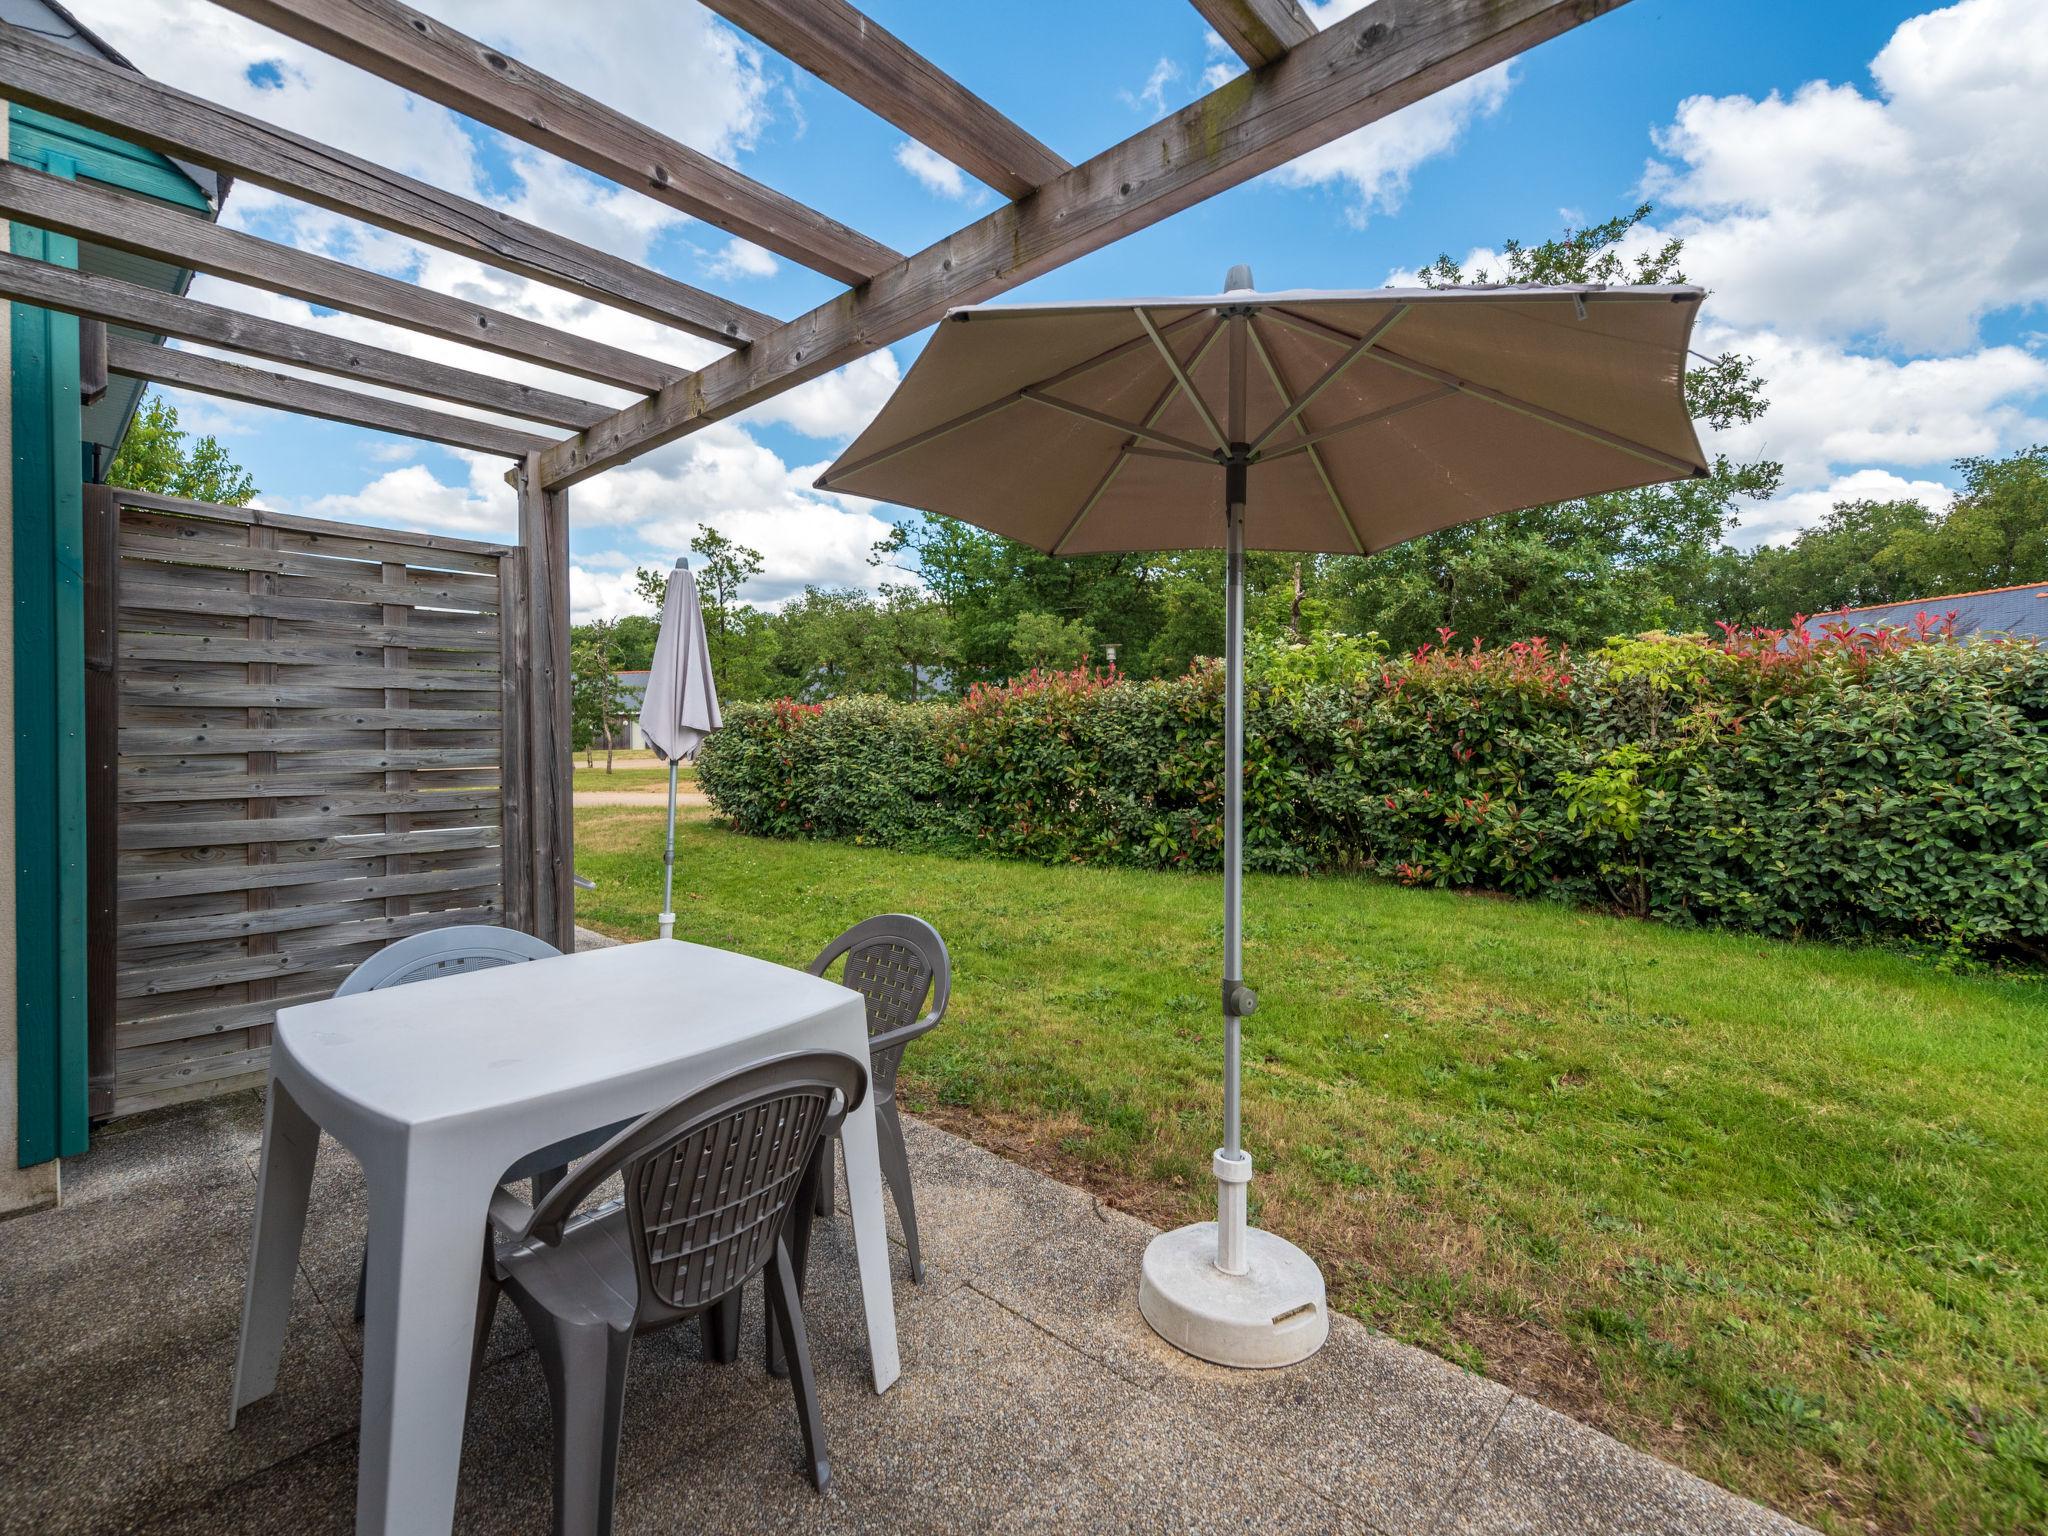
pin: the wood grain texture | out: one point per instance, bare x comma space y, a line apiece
146, 228
1374, 62
287, 392
434, 60
114, 100
846, 50
168, 314
293, 789
318, 531
545, 727
1258, 31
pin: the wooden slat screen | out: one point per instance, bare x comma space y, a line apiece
309, 765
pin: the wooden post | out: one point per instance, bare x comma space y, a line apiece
544, 714
515, 863
102, 759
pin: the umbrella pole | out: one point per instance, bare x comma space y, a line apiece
1233, 1168
668, 862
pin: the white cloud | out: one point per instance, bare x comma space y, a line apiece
739, 258
1377, 162
602, 594
1151, 96
1222, 66
1780, 520
412, 497
400, 452
837, 405
723, 477
1832, 408
940, 176
1905, 216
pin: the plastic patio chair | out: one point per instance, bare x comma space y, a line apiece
450, 952
895, 962
710, 1185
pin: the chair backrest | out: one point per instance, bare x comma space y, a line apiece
893, 961
711, 1180
444, 952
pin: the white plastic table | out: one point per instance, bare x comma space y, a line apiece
439, 1088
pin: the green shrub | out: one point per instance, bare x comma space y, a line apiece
1893, 787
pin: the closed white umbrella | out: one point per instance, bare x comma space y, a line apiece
1305, 420
680, 707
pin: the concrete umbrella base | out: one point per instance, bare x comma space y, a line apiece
1271, 1315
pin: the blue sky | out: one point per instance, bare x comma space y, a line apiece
1858, 181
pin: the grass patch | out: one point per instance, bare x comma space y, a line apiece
636, 771
1776, 1212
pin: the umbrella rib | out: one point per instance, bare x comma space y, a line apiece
1124, 453
1540, 413
968, 418
1129, 428
1494, 396
1180, 377
1308, 442
1109, 474
1329, 376
1322, 473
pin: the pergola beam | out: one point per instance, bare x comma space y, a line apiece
1376, 61
114, 302
101, 95
149, 228
1258, 31
283, 392
846, 50
436, 61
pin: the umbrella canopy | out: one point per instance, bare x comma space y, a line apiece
1320, 421
1366, 418
680, 707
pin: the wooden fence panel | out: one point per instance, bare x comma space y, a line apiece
312, 749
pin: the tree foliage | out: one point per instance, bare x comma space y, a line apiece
155, 456
984, 609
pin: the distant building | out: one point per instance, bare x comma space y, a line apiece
632, 690
2021, 612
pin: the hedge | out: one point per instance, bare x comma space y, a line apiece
1890, 787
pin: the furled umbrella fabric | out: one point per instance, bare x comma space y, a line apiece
680, 707
1335, 422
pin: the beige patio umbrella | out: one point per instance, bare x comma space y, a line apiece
1339, 422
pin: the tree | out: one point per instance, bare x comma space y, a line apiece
1858, 555
154, 457
1583, 570
596, 697
1996, 534
1867, 553
1045, 640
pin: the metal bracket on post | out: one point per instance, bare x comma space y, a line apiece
1239, 1000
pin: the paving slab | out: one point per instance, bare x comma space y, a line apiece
1542, 1474
1033, 1395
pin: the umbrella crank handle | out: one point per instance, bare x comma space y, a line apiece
1239, 1000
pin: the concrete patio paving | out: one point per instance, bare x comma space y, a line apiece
1033, 1396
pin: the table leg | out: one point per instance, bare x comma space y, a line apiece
426, 1247
284, 1181
871, 1239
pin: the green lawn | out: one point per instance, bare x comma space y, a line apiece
630, 771
1776, 1212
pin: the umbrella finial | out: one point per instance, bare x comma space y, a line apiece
1239, 280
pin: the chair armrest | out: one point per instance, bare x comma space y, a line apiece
891, 1039
509, 1215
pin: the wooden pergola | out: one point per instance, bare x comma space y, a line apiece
1303, 88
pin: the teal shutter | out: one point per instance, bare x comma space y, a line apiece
49, 709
